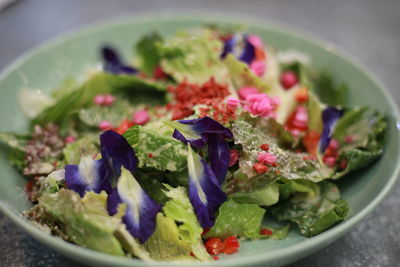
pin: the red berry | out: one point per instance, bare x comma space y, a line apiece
266, 231
288, 79
260, 168
234, 156
214, 245
264, 147
231, 245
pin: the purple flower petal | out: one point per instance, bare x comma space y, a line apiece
97, 175
229, 46
248, 53
113, 63
329, 118
87, 176
205, 193
219, 154
141, 210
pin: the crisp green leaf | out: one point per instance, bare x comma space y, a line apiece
278, 233
243, 220
180, 209
313, 214
329, 92
165, 244
193, 57
86, 146
147, 52
266, 196
166, 153
314, 112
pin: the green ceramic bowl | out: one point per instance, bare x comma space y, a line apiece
75, 53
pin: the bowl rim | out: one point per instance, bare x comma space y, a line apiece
309, 244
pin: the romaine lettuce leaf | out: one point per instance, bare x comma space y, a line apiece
242, 220
328, 91
84, 221
101, 83
161, 152
16, 147
165, 244
313, 214
85, 146
147, 52
180, 209
193, 57
265, 196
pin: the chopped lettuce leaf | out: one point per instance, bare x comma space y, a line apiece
242, 76
288, 187
147, 52
101, 83
193, 57
67, 86
83, 147
165, 244
329, 92
314, 112
243, 220
313, 214
84, 221
16, 146
278, 233
361, 135
155, 150
266, 196
180, 209
32, 101
93, 115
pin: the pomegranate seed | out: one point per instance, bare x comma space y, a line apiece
264, 147
343, 164
266, 231
288, 79
150, 155
231, 245
260, 168
205, 231
216, 258
214, 245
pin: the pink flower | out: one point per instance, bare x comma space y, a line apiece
108, 100
140, 117
255, 41
258, 67
105, 125
99, 100
245, 91
266, 158
232, 102
260, 105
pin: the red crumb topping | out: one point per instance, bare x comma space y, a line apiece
187, 95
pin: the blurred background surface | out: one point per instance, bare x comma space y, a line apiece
369, 30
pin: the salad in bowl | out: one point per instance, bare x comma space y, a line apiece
192, 147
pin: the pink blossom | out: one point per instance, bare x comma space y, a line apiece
245, 91
255, 41
108, 100
232, 102
260, 105
301, 118
99, 100
105, 125
266, 158
140, 117
258, 67
70, 139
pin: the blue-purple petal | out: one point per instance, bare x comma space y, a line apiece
205, 192
112, 62
117, 152
206, 126
248, 53
87, 176
229, 46
219, 154
198, 143
141, 210
329, 118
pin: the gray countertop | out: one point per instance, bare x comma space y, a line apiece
369, 30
